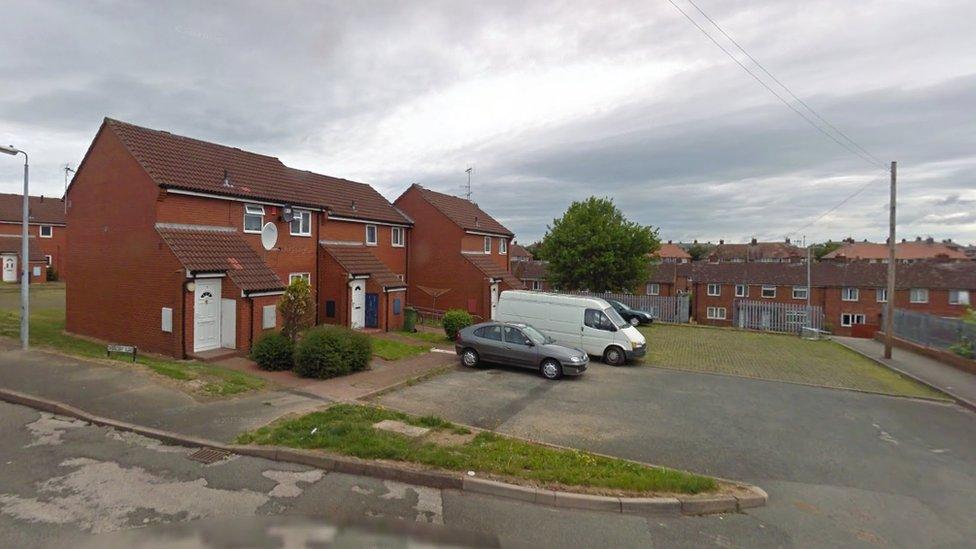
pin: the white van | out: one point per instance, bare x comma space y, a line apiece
587, 323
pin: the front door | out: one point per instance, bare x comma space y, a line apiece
357, 292
206, 315
494, 299
372, 310
9, 268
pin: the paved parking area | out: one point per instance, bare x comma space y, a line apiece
842, 467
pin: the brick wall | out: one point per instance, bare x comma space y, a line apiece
54, 246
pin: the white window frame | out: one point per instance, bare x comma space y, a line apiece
396, 237
502, 246
49, 260
849, 293
50, 231
376, 235
254, 210
922, 291
797, 290
653, 288
537, 285
713, 313
293, 276
769, 288
744, 292
852, 319
881, 295
958, 294
717, 287
487, 244
300, 216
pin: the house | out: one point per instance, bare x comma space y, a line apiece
10, 259
45, 222
533, 274
183, 247
756, 252
905, 251
517, 252
671, 253
459, 255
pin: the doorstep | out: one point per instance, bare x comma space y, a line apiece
215, 355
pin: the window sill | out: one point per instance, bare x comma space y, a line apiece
398, 245
246, 231
371, 244
304, 235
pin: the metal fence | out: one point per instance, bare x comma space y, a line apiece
775, 317
931, 330
674, 309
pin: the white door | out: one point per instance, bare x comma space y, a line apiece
357, 290
9, 267
206, 315
228, 323
494, 299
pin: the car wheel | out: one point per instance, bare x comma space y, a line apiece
614, 356
470, 358
551, 369
634, 321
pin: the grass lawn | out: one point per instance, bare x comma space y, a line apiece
436, 338
47, 330
388, 349
772, 356
348, 429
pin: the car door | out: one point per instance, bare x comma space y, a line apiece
490, 343
597, 332
518, 350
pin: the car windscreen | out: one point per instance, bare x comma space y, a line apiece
536, 335
615, 317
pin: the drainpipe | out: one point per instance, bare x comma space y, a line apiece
250, 323
183, 320
318, 229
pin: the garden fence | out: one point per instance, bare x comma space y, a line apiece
931, 330
775, 317
673, 309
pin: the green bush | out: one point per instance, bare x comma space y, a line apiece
330, 351
52, 275
273, 351
456, 320
965, 348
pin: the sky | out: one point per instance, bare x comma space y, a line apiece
549, 102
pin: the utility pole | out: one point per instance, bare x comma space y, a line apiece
809, 288
467, 191
890, 305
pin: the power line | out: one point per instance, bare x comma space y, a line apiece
858, 191
866, 157
784, 86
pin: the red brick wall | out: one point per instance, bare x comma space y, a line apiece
333, 286
54, 246
476, 243
394, 257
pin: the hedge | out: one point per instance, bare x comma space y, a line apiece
331, 351
273, 351
456, 320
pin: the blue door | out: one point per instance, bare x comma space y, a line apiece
372, 310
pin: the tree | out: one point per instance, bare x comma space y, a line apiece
594, 247
533, 249
699, 251
820, 250
297, 308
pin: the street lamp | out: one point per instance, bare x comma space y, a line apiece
24, 254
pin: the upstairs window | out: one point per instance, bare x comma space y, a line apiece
799, 292
396, 237
301, 225
487, 244
503, 245
850, 294
370, 235
958, 297
882, 295
653, 288
919, 295
769, 291
741, 290
47, 231
253, 218
714, 289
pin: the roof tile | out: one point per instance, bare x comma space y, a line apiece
43, 209
493, 270
463, 213
358, 260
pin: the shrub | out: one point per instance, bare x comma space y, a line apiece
456, 320
273, 351
297, 308
330, 351
52, 275
965, 348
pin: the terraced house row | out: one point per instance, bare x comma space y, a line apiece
183, 247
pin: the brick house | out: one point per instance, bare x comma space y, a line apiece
459, 255
182, 246
670, 252
10, 250
533, 273
45, 224
906, 251
756, 252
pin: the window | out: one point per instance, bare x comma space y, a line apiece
537, 285
715, 313
370, 235
503, 245
847, 319
714, 289
741, 290
850, 294
301, 225
595, 318
653, 288
49, 260
253, 218
396, 236
769, 291
269, 316
958, 297
490, 332
487, 244
800, 292
514, 335
295, 276
796, 317
47, 231
919, 295
881, 295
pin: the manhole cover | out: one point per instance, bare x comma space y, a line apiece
209, 455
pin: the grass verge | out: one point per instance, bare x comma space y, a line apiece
47, 330
348, 429
388, 349
429, 337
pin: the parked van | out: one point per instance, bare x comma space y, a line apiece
588, 323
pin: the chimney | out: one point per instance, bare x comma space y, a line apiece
227, 182
353, 205
721, 242
928, 240
787, 240
904, 240
695, 242
918, 239
669, 241
42, 198
753, 241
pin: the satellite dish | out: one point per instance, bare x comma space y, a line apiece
269, 236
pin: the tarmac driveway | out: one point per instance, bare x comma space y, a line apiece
841, 467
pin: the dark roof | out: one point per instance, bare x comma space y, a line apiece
356, 259
960, 275
754, 251
664, 273
204, 249
180, 162
492, 270
10, 244
43, 209
463, 213
530, 269
517, 251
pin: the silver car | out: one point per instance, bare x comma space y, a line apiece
518, 345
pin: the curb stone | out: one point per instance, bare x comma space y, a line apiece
687, 505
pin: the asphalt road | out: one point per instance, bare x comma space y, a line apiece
842, 468
64, 483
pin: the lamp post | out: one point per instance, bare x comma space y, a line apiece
24, 253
